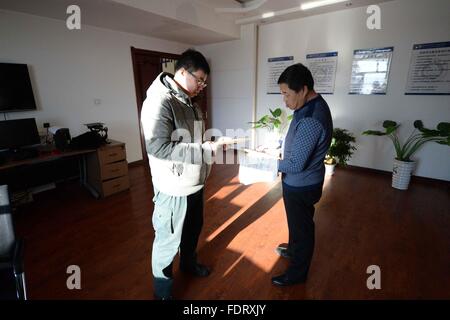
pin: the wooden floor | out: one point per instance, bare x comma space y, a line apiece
360, 221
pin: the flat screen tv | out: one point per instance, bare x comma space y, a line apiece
16, 93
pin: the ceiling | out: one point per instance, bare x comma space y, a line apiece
282, 9
188, 21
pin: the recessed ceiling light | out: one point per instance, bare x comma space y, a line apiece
267, 15
319, 3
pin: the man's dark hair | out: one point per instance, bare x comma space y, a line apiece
296, 77
192, 60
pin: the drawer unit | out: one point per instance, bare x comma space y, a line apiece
115, 185
114, 170
107, 169
111, 154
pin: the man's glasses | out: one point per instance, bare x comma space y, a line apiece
200, 82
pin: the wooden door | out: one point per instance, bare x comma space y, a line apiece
201, 101
147, 65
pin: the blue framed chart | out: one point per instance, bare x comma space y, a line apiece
323, 68
275, 66
429, 69
370, 70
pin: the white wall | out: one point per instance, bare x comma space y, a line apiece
231, 88
69, 69
404, 23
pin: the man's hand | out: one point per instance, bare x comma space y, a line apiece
226, 141
263, 153
210, 146
209, 151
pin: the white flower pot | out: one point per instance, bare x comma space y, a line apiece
401, 174
329, 169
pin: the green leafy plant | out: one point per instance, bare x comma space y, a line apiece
272, 121
418, 137
341, 148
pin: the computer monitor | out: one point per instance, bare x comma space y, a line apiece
15, 134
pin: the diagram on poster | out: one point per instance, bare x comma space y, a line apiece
429, 69
370, 70
275, 66
323, 68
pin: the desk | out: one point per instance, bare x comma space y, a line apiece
49, 157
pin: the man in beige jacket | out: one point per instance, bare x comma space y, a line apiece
173, 130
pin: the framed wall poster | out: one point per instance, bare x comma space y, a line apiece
429, 69
370, 70
275, 66
323, 68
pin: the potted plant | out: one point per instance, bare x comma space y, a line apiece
403, 162
341, 149
275, 124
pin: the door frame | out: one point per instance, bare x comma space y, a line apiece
137, 86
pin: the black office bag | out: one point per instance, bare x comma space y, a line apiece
87, 140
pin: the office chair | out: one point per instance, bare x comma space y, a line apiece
11, 253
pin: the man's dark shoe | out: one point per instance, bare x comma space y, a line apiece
285, 280
156, 297
197, 270
283, 252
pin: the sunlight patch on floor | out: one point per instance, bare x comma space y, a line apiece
257, 241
